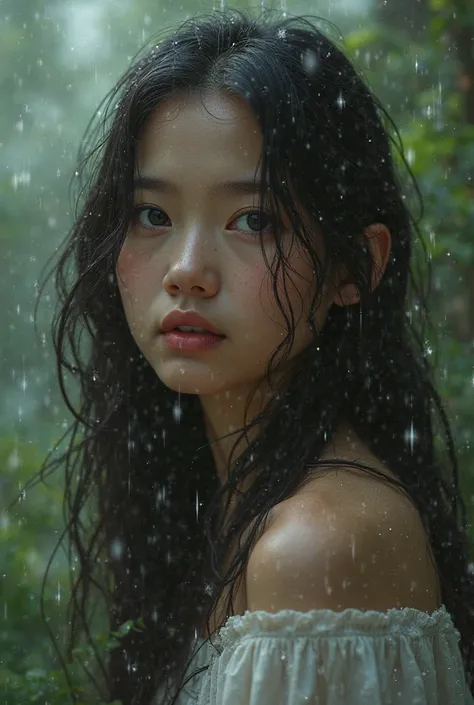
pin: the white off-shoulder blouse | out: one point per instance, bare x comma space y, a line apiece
399, 657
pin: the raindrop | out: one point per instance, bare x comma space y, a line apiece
22, 178
116, 549
160, 496
410, 436
13, 461
309, 61
177, 411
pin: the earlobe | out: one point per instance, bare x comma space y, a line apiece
380, 242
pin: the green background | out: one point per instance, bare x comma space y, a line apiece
57, 61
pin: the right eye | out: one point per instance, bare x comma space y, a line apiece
149, 217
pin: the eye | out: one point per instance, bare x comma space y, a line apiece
148, 217
255, 220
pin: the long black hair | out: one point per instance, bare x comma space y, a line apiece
155, 542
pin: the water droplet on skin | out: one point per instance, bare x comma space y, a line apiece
353, 546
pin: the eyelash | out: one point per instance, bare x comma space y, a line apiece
142, 208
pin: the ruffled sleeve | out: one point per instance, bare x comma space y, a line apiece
399, 657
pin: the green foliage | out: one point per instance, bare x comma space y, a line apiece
30, 670
438, 143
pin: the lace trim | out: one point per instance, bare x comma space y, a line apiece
324, 622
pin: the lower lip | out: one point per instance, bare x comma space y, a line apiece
191, 342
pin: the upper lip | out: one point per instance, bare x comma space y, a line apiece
186, 318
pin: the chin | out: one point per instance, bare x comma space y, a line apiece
188, 381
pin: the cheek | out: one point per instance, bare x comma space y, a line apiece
134, 273
248, 283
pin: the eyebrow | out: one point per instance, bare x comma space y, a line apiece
243, 186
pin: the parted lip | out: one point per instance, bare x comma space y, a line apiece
186, 318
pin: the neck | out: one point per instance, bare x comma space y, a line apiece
224, 414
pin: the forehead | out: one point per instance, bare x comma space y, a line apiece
216, 132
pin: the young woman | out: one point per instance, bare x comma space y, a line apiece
257, 415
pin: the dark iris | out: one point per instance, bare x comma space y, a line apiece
253, 220
155, 216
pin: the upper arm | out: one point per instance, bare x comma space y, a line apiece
328, 556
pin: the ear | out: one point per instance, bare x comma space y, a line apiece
380, 243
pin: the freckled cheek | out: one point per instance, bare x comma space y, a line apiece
135, 273
250, 285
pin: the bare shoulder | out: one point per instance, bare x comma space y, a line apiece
348, 541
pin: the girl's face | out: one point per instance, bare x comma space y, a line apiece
194, 246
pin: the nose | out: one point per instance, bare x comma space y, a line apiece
192, 269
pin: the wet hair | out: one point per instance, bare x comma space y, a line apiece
155, 544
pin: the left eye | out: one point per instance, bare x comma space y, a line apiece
254, 220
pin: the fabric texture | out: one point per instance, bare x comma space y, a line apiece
399, 657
